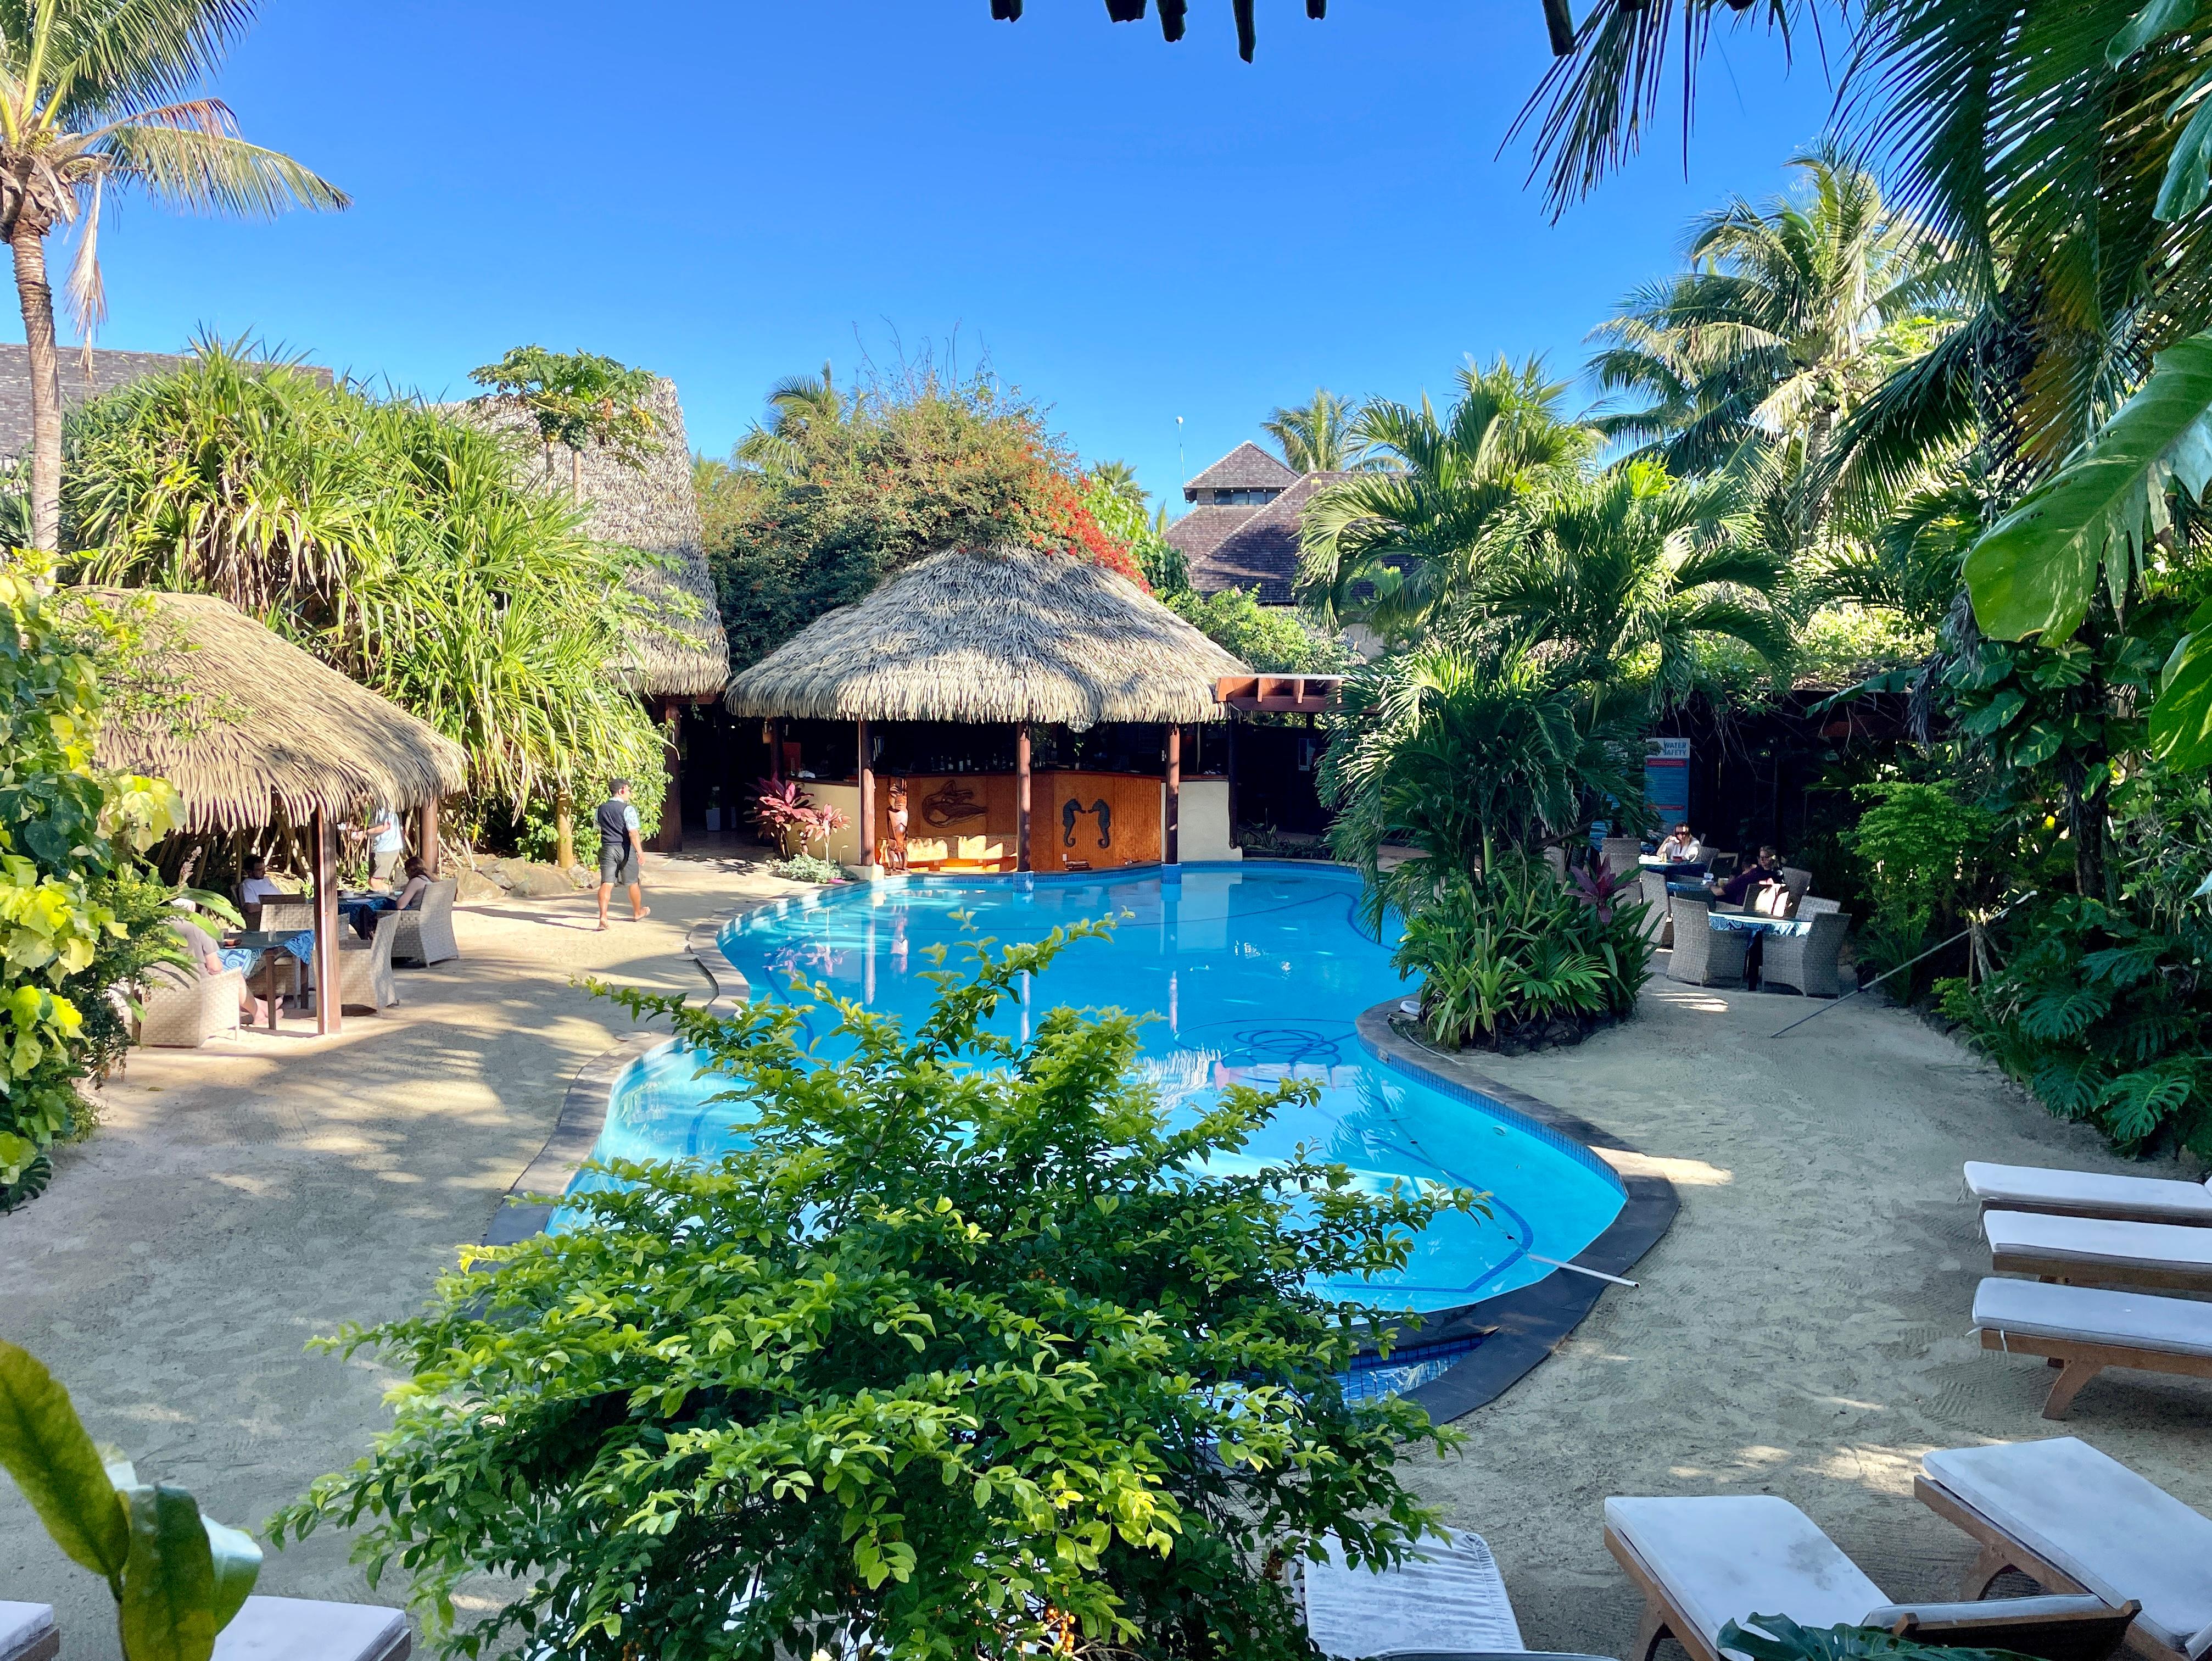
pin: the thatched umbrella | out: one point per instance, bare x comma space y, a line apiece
243, 722
1002, 635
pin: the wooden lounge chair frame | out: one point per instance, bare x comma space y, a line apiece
2074, 1636
2001, 1552
2115, 1272
2080, 1360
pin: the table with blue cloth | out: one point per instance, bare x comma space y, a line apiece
252, 948
1758, 928
362, 910
1689, 891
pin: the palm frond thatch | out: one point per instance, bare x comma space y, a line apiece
260, 723
1006, 634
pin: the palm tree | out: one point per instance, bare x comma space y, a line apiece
1120, 479
796, 404
1790, 315
1615, 580
93, 96
1313, 437
1386, 548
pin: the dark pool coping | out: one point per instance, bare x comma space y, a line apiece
1517, 1328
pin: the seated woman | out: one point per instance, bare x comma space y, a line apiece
1682, 847
410, 893
207, 959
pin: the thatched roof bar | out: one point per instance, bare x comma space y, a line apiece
261, 724
1000, 635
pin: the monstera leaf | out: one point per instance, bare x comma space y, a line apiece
2036, 569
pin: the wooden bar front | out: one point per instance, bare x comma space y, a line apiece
972, 821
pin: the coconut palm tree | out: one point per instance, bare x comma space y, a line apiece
1314, 436
795, 404
1386, 548
1791, 314
94, 94
1120, 479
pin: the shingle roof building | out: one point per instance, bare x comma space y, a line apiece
109, 371
1247, 477
1242, 529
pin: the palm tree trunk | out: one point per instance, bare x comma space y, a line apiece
29, 243
576, 475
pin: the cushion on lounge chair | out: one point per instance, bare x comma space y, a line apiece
303, 1630
1729, 1556
2156, 1199
2094, 1315
1451, 1598
2095, 1241
2116, 1533
26, 1629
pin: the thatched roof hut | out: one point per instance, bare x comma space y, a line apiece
653, 510
1002, 635
239, 719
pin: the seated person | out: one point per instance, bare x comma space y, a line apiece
410, 893
1681, 847
207, 956
254, 887
1744, 886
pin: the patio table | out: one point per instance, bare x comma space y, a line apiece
250, 949
1758, 928
362, 910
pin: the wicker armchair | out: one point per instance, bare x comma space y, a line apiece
1812, 905
280, 912
1808, 961
1799, 882
1705, 955
184, 1005
365, 976
426, 935
1659, 925
1618, 855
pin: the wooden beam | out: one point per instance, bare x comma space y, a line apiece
669, 839
1233, 725
776, 751
1021, 798
867, 800
426, 836
326, 954
1171, 839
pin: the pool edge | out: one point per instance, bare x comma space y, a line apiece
1519, 1329
1528, 1324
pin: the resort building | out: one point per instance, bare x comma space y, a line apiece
1241, 531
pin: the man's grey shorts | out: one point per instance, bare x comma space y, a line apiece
617, 870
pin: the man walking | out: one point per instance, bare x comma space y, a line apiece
618, 851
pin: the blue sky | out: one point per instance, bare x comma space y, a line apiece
728, 192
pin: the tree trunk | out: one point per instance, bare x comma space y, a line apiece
564, 829
29, 242
2086, 812
576, 475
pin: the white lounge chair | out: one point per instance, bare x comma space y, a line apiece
2089, 1194
2088, 1329
304, 1630
1450, 1601
1706, 1561
2074, 1520
2099, 1250
27, 1633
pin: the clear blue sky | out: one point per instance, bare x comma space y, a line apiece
728, 190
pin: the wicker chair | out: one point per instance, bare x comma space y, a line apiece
184, 1005
283, 911
365, 976
1705, 955
1808, 961
1618, 855
1660, 926
1812, 905
1799, 882
426, 933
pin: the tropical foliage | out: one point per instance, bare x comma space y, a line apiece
400, 544
178, 1577
1316, 436
965, 1353
580, 400
71, 924
96, 97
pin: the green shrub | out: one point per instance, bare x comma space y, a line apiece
1926, 859
807, 867
963, 1353
2103, 1017
1512, 949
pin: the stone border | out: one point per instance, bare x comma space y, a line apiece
1519, 1329
590, 1094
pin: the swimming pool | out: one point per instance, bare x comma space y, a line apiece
1258, 972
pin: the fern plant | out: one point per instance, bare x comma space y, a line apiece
2103, 1016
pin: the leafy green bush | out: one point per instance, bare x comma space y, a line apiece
1509, 950
1925, 859
1778, 1638
807, 867
1269, 639
2102, 1016
963, 1352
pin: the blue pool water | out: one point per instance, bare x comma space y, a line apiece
1258, 972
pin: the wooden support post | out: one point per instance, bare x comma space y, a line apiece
776, 751
670, 840
1172, 837
1022, 798
326, 924
867, 800
1229, 717
426, 836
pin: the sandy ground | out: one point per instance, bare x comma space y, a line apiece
1803, 1329
239, 1199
